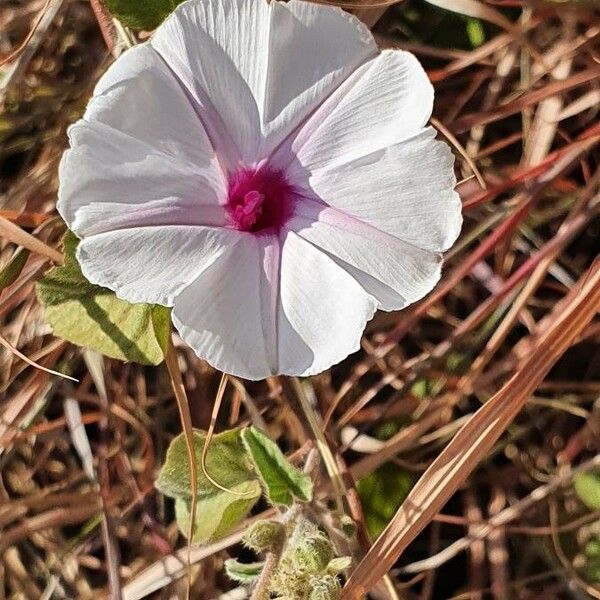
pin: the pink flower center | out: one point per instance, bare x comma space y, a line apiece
259, 199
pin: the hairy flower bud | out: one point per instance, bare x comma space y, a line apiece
325, 588
313, 553
264, 536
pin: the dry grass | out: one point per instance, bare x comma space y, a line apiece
489, 388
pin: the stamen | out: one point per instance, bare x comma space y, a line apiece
259, 199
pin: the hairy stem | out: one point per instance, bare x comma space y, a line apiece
261, 591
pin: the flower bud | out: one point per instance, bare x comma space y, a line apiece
326, 588
313, 553
264, 536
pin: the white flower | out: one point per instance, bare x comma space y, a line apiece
264, 170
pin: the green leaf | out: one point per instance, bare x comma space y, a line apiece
218, 513
339, 564
281, 480
226, 462
587, 487
243, 572
592, 560
381, 493
141, 14
12, 270
475, 32
92, 316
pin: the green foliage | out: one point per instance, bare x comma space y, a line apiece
386, 430
218, 513
282, 481
226, 463
92, 316
13, 269
141, 14
592, 560
313, 553
475, 32
339, 564
381, 493
347, 526
243, 572
326, 588
309, 566
263, 536
587, 487
428, 24
425, 388
239, 461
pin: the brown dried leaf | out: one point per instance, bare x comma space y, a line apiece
476, 438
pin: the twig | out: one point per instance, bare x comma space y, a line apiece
478, 436
94, 362
29, 47
28, 37
324, 449
16, 352
15, 234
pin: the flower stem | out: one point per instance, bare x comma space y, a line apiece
261, 591
186, 423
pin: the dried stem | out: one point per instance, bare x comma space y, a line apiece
186, 422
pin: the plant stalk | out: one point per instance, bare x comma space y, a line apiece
261, 591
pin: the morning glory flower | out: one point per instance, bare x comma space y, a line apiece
264, 170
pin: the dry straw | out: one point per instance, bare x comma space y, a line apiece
476, 438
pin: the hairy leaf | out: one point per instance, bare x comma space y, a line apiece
282, 481
339, 564
92, 316
226, 462
141, 14
243, 572
218, 513
592, 560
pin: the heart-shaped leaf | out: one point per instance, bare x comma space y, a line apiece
92, 316
218, 513
226, 462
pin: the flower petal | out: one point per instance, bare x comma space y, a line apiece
257, 69
151, 264
237, 318
110, 180
385, 101
139, 96
220, 315
323, 310
395, 272
313, 49
406, 190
